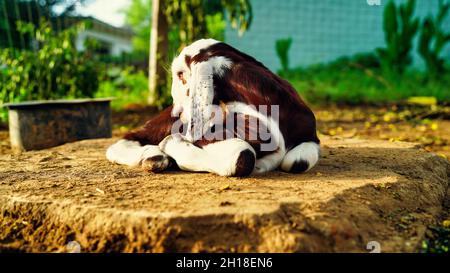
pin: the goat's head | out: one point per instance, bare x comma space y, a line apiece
193, 90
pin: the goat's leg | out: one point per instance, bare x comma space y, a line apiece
231, 157
140, 147
301, 158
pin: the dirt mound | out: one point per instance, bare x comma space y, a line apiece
361, 191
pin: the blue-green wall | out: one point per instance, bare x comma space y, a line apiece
322, 30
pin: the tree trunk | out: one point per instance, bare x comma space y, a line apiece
158, 53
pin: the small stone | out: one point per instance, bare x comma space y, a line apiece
225, 203
225, 188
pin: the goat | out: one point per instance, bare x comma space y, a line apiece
230, 116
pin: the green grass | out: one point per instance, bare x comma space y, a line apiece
437, 242
351, 83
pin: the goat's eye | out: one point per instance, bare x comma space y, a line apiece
181, 77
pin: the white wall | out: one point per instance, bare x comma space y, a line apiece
118, 44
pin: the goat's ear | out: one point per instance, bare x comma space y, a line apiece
201, 95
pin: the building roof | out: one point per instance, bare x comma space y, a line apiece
100, 26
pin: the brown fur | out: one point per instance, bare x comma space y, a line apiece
154, 130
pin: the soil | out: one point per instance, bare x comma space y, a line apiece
361, 191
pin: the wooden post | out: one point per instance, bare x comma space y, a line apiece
158, 53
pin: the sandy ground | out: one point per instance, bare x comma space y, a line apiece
361, 191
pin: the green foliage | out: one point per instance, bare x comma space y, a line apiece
68, 6
359, 80
14, 11
191, 17
439, 242
400, 27
56, 70
239, 12
216, 25
127, 86
282, 47
138, 16
432, 41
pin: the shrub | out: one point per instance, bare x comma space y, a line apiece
54, 70
282, 47
432, 41
399, 27
127, 86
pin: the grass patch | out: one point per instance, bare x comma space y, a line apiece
349, 82
437, 240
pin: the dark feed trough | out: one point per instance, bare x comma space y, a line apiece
43, 124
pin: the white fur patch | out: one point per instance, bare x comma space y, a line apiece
272, 161
227, 153
220, 65
194, 48
219, 157
307, 151
131, 153
179, 63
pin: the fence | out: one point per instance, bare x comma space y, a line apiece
322, 30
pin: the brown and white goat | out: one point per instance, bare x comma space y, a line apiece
230, 116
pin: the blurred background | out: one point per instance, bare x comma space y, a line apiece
369, 68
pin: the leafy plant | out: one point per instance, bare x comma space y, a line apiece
439, 242
138, 17
127, 86
31, 12
432, 40
191, 17
55, 70
282, 47
216, 25
400, 27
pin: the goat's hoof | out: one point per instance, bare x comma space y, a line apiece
155, 164
245, 164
